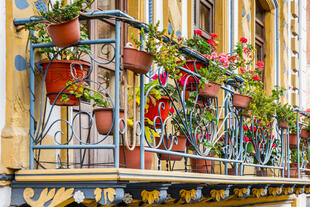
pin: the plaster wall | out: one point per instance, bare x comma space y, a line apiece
5, 196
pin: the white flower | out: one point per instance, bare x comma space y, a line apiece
79, 196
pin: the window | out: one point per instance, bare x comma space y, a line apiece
260, 35
204, 16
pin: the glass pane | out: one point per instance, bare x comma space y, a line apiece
105, 31
204, 17
260, 12
106, 4
259, 52
260, 31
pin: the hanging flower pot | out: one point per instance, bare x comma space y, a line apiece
210, 90
136, 60
241, 101
104, 120
305, 134
283, 124
179, 147
57, 77
293, 140
152, 111
131, 158
66, 33
201, 166
190, 65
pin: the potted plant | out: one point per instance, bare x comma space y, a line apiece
285, 115
305, 131
293, 162
201, 46
158, 47
62, 21
60, 66
242, 59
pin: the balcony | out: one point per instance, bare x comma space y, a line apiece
185, 148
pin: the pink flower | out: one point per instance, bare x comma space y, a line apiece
260, 64
155, 77
198, 32
251, 71
213, 35
213, 55
182, 80
163, 77
243, 70
243, 39
247, 51
274, 146
208, 56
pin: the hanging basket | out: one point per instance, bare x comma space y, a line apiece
152, 110
241, 101
104, 120
283, 124
57, 77
210, 90
66, 33
137, 61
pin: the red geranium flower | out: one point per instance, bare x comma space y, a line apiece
213, 35
274, 146
242, 70
246, 139
255, 77
198, 32
260, 64
245, 128
211, 42
171, 110
243, 39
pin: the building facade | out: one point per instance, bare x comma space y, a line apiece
61, 173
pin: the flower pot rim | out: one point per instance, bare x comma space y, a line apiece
59, 23
238, 94
132, 48
65, 62
106, 109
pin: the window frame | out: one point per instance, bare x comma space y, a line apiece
209, 4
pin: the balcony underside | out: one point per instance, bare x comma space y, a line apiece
124, 186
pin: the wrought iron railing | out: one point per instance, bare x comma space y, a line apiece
226, 131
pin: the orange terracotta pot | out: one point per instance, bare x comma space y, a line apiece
201, 166
293, 139
210, 90
104, 120
241, 101
58, 74
137, 61
189, 65
293, 172
179, 147
305, 134
152, 110
283, 124
133, 158
66, 33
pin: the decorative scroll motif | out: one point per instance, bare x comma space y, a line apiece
46, 195
240, 192
79, 196
97, 193
188, 195
109, 193
299, 190
218, 194
274, 191
127, 198
287, 190
258, 192
150, 196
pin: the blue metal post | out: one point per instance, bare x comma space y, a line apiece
142, 116
31, 87
226, 127
241, 143
282, 153
116, 92
288, 153
298, 141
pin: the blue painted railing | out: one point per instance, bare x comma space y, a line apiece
227, 131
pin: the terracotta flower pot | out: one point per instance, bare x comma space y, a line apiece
152, 110
189, 65
283, 124
201, 166
210, 90
293, 139
179, 147
308, 167
104, 120
293, 172
241, 101
137, 61
305, 134
133, 158
66, 33
58, 74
